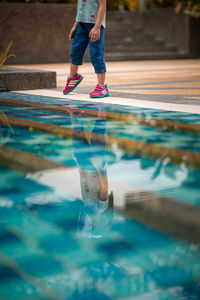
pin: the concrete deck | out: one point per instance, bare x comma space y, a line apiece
168, 85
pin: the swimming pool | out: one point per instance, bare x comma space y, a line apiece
98, 201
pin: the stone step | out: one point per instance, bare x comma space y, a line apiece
137, 48
13, 79
120, 28
134, 39
132, 36
120, 34
127, 18
116, 56
140, 40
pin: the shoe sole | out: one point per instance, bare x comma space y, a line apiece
66, 93
94, 96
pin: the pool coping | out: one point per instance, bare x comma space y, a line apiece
194, 109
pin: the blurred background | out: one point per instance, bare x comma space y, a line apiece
136, 30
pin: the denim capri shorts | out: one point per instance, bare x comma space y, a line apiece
96, 49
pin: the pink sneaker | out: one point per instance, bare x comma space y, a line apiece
72, 83
100, 91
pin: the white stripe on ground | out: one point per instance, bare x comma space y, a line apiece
195, 109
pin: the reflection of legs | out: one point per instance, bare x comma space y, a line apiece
92, 160
76, 125
100, 129
82, 161
100, 156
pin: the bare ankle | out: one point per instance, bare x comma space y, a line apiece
72, 75
101, 78
73, 70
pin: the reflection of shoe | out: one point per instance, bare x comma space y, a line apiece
72, 83
100, 91
75, 111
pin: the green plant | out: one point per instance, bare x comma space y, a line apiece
128, 4
191, 7
5, 122
4, 55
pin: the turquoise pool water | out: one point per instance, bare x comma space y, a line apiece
105, 222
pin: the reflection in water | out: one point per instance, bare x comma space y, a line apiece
134, 258
93, 220
4, 123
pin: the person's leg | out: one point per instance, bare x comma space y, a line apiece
97, 59
101, 78
96, 50
73, 70
77, 50
78, 47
